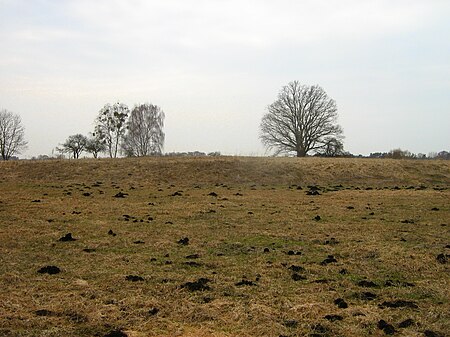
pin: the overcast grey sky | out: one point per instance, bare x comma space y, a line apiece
214, 65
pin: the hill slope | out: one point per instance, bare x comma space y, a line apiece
236, 170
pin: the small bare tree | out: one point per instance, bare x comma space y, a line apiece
75, 145
333, 147
145, 134
95, 145
302, 119
111, 126
12, 134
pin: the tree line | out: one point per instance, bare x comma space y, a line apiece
135, 133
405, 154
302, 121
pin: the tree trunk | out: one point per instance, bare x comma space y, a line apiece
301, 152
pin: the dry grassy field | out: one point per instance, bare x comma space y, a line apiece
225, 247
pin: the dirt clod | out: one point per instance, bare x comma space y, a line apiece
134, 278
183, 241
66, 238
312, 192
245, 283
328, 260
319, 330
367, 284
406, 323
398, 304
341, 303
200, 285
333, 318
51, 270
367, 296
153, 311
388, 329
296, 269
331, 241
298, 277
442, 258
44, 312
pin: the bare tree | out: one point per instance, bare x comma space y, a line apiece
111, 126
75, 144
301, 120
12, 134
95, 145
333, 147
145, 134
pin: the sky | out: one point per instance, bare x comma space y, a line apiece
214, 66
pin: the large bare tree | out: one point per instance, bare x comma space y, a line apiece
302, 119
145, 134
111, 126
12, 134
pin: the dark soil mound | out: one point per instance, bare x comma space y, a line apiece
184, 241
296, 269
116, 333
199, 285
333, 318
51, 270
399, 304
298, 277
329, 259
388, 329
367, 284
406, 323
66, 238
134, 278
341, 303
245, 283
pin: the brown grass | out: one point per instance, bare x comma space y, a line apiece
256, 208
